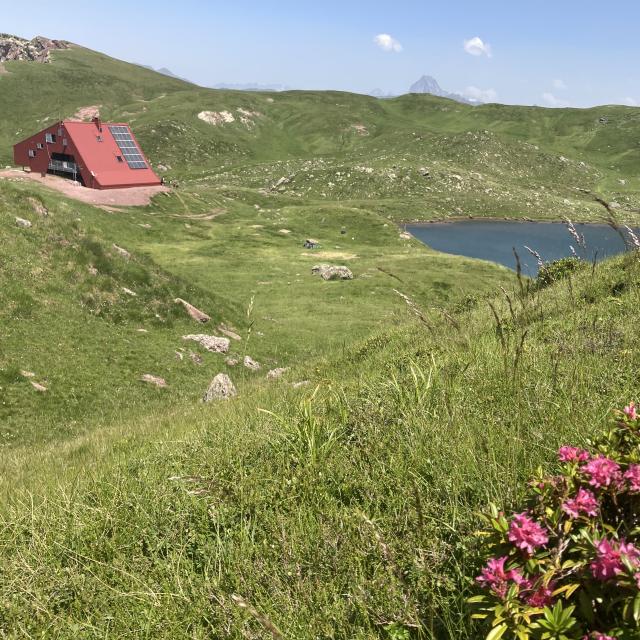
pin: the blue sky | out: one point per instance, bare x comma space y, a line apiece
549, 53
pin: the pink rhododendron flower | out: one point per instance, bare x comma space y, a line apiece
526, 534
541, 597
584, 502
602, 472
630, 411
572, 454
609, 555
596, 635
496, 578
632, 475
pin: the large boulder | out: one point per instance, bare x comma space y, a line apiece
332, 272
221, 388
210, 343
21, 222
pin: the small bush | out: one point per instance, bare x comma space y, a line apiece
568, 566
558, 270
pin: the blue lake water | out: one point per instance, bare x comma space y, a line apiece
496, 240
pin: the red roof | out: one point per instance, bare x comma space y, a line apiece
100, 158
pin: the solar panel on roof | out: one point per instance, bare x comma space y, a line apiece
130, 151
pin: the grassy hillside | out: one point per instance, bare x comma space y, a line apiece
342, 507
89, 323
342, 510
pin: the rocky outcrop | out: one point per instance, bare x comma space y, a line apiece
210, 343
221, 388
36, 50
332, 272
21, 222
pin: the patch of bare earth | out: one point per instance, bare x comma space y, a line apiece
330, 255
86, 113
130, 197
3, 70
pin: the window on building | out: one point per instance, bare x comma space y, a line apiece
65, 142
32, 153
39, 145
60, 132
99, 139
50, 138
119, 159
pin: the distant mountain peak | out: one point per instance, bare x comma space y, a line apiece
428, 84
36, 50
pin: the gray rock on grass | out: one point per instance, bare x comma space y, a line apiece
24, 224
221, 388
250, 363
332, 272
210, 343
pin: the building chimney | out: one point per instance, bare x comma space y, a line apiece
98, 123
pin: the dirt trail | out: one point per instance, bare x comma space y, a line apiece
130, 197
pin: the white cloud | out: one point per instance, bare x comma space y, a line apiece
553, 101
559, 84
476, 47
387, 43
480, 95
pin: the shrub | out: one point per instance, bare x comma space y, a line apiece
557, 270
568, 565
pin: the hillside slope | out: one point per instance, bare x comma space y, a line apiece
344, 510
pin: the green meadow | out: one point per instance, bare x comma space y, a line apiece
342, 507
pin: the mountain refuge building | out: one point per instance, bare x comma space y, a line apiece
96, 154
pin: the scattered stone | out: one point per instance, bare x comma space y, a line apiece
280, 183
196, 314
405, 235
142, 331
228, 332
93, 271
210, 343
196, 358
615, 205
133, 294
285, 232
310, 243
424, 172
146, 225
622, 182
232, 362
155, 380
302, 383
179, 356
27, 374
276, 373
332, 272
221, 388
250, 363
38, 207
21, 222
38, 387
122, 252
